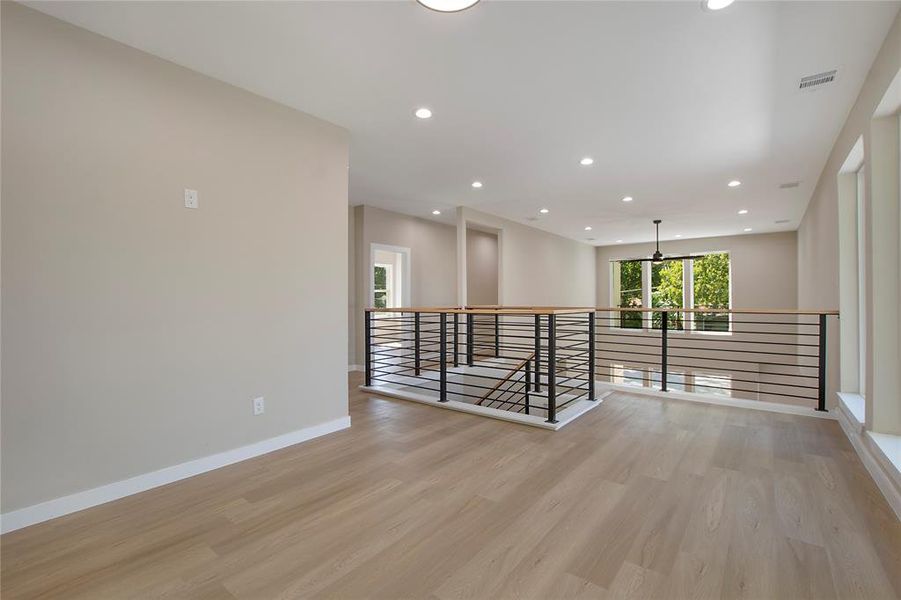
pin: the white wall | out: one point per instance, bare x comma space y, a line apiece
764, 267
481, 267
537, 268
818, 247
135, 331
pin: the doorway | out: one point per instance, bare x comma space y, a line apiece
389, 276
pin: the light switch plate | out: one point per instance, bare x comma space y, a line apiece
191, 198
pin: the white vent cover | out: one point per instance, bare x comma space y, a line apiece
789, 185
812, 81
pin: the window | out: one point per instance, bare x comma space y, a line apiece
627, 277
702, 282
382, 279
710, 289
666, 292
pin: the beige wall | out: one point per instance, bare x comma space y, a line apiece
537, 268
764, 268
136, 332
432, 260
818, 234
481, 267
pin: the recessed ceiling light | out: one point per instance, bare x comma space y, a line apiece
619, 241
715, 4
743, 211
449, 5
436, 212
734, 183
477, 184
544, 211
627, 199
423, 113
588, 228
748, 229
678, 235
586, 161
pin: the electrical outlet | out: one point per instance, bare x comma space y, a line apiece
191, 198
259, 406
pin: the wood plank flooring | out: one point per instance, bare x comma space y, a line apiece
640, 498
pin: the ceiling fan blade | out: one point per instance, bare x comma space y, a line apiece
666, 258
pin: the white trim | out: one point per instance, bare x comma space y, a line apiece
564, 417
58, 507
870, 449
354, 368
789, 409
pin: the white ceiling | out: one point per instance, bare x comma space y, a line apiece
671, 101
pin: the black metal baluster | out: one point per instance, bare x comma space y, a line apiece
442, 394
497, 335
367, 336
416, 343
591, 359
537, 353
528, 383
551, 368
456, 339
821, 371
470, 338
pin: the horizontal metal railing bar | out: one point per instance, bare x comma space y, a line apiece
703, 332
700, 368
735, 360
618, 319
732, 389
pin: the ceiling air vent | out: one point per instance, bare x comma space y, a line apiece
789, 185
812, 81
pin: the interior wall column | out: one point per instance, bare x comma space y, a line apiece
884, 279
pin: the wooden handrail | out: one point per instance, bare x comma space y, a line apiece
562, 310
509, 375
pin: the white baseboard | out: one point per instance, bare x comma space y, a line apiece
789, 409
58, 507
355, 368
884, 473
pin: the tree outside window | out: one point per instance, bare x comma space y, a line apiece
630, 293
711, 291
381, 282
666, 292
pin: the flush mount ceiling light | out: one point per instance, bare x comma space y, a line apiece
476, 184
588, 228
743, 211
586, 161
448, 6
715, 4
734, 183
423, 113
544, 211
627, 199
436, 212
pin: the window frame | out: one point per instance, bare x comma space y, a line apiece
688, 297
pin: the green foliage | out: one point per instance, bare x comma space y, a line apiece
381, 278
711, 290
666, 291
630, 293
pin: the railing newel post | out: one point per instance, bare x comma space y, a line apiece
528, 383
367, 320
537, 387
442, 357
591, 356
470, 338
551, 368
416, 362
456, 339
821, 365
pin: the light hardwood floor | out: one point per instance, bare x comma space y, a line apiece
640, 498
